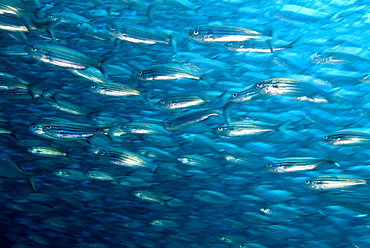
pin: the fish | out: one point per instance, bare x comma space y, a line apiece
8, 169
183, 101
113, 89
297, 164
62, 56
348, 137
121, 157
211, 196
188, 119
138, 34
167, 72
289, 87
198, 161
334, 183
222, 34
46, 151
240, 129
71, 174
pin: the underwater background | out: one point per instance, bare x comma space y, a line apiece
184, 123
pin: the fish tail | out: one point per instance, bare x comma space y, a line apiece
32, 177
104, 63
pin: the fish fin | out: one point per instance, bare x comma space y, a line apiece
20, 37
32, 177
226, 111
282, 127
104, 63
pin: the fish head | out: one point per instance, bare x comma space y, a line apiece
332, 139
223, 130
155, 223
168, 125
52, 17
164, 103
271, 167
194, 33
111, 28
34, 51
95, 87
143, 75
37, 129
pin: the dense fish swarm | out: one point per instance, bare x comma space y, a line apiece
184, 123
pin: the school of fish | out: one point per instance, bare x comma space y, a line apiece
185, 123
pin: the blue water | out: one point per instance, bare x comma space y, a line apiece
85, 198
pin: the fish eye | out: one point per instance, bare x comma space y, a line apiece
140, 73
325, 137
93, 86
196, 31
166, 122
34, 127
162, 101
220, 128
269, 164
48, 127
235, 94
102, 152
259, 85
34, 48
113, 26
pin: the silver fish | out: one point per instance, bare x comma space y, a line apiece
121, 157
222, 34
61, 56
167, 72
189, 119
137, 34
113, 89
334, 183
348, 137
296, 164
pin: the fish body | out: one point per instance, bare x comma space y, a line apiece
60, 56
236, 129
136, 128
46, 151
222, 34
324, 183
121, 157
113, 89
70, 132
249, 94
167, 72
182, 101
287, 87
189, 119
137, 34
211, 196
197, 160
348, 137
149, 196
296, 164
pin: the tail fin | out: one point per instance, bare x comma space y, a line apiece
32, 177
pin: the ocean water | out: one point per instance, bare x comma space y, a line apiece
184, 123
